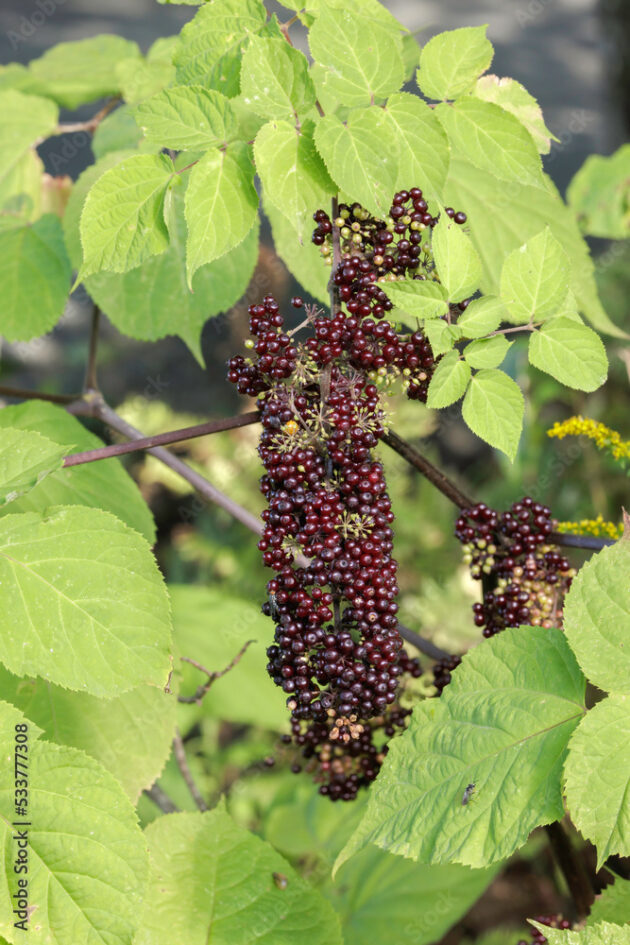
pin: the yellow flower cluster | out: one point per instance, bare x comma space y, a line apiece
592, 526
603, 437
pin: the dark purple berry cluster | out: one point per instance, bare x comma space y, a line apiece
552, 921
373, 253
514, 551
327, 534
337, 652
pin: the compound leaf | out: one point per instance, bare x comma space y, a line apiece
571, 352
122, 222
357, 159
535, 278
103, 485
199, 891
597, 777
35, 275
25, 461
87, 859
362, 58
456, 259
292, 172
221, 205
83, 71
187, 117
275, 82
502, 726
449, 381
597, 618
493, 409
493, 139
83, 603
424, 151
451, 61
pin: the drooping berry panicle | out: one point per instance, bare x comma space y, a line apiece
530, 574
337, 651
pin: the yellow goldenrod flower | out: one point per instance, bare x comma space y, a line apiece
592, 526
604, 438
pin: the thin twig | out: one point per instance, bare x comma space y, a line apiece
212, 676
162, 439
90, 383
182, 763
196, 480
161, 799
69, 127
573, 869
587, 542
21, 393
428, 470
425, 646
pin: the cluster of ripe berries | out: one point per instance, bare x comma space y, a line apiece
552, 921
337, 652
373, 253
526, 575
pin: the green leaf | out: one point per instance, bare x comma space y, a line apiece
24, 119
199, 890
129, 735
597, 777
153, 299
378, 893
571, 352
293, 174
82, 71
535, 278
83, 603
501, 218
487, 352
212, 44
25, 461
211, 626
274, 79
35, 275
449, 381
441, 335
187, 117
456, 259
303, 260
493, 139
363, 59
451, 61
424, 151
604, 933
482, 316
122, 222
139, 79
418, 297
118, 132
370, 9
493, 409
612, 904
501, 725
514, 98
105, 485
597, 618
356, 159
221, 206
21, 189
87, 860
599, 195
